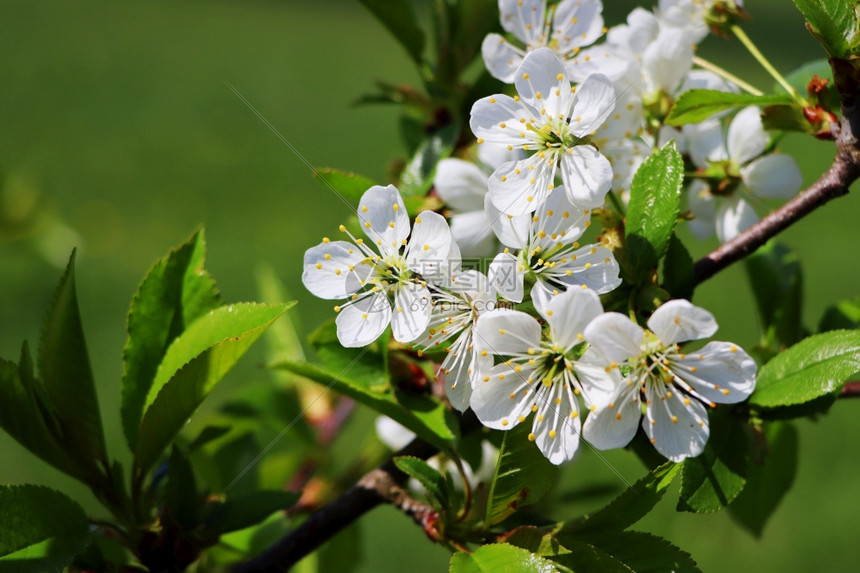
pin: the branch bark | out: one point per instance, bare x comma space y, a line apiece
832, 184
382, 485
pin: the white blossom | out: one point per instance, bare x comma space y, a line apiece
664, 387
556, 122
543, 250
387, 285
538, 376
745, 170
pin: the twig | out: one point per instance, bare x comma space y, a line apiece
382, 485
832, 184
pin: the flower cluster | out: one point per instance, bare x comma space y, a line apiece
524, 338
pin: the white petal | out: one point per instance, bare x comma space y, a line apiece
705, 142
541, 82
678, 320
701, 205
494, 155
383, 217
411, 312
473, 233
600, 385
720, 372
625, 156
676, 425
392, 434
457, 376
506, 277
501, 59
556, 425
602, 59
615, 337
461, 184
774, 176
429, 247
613, 427
327, 269
577, 23
734, 216
747, 138
507, 332
595, 100
502, 397
587, 176
521, 187
363, 322
512, 231
561, 221
501, 120
569, 313
667, 60
594, 267
523, 18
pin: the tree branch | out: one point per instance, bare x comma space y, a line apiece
832, 184
382, 485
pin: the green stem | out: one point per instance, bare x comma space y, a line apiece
723, 73
748, 44
616, 202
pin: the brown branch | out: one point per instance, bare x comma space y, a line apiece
382, 485
850, 390
833, 183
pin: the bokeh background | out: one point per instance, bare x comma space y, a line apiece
119, 135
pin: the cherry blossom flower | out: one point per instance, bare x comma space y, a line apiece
740, 172
665, 388
537, 375
546, 252
565, 29
388, 287
547, 117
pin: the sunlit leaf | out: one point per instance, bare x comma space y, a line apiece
694, 106
42, 529
812, 368
500, 558
833, 23
428, 476
349, 186
194, 363
176, 291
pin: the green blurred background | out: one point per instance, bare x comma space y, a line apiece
118, 129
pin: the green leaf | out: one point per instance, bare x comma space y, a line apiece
428, 476
244, 510
27, 416
499, 558
175, 292
399, 18
417, 176
655, 199
694, 106
523, 475
194, 363
842, 315
813, 367
348, 185
65, 370
769, 479
833, 23
712, 480
777, 283
182, 501
629, 507
679, 274
628, 551
42, 529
